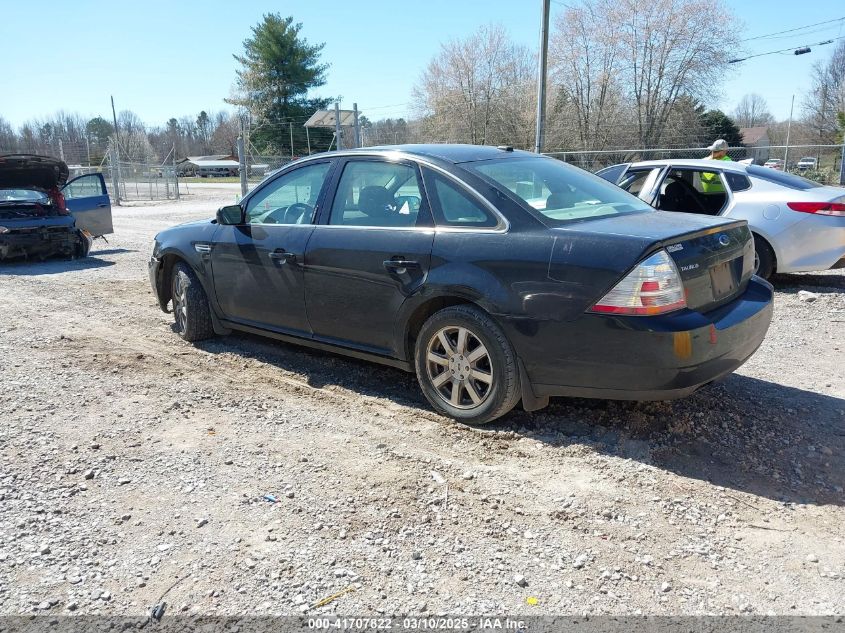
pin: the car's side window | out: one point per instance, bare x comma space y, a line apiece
289, 199
377, 193
692, 191
453, 206
737, 182
84, 187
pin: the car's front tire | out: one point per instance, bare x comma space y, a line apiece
466, 366
190, 305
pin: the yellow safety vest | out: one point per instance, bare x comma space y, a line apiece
710, 181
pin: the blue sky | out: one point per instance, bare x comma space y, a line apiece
164, 59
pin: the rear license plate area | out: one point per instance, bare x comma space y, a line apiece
722, 280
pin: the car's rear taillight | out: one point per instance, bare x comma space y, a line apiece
820, 208
653, 287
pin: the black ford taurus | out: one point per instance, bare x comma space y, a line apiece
495, 275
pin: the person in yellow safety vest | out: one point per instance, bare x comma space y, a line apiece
711, 182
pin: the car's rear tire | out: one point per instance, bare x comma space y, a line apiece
190, 305
466, 367
764, 258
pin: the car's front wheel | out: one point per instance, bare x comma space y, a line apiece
466, 366
190, 305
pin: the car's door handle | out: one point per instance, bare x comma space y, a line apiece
283, 257
400, 265
392, 264
102, 205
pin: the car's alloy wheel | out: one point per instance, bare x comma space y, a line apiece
180, 302
466, 367
459, 367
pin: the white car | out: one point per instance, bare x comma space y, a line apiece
798, 224
808, 162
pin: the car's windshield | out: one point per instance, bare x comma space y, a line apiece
559, 192
23, 195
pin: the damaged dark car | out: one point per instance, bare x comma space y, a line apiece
42, 214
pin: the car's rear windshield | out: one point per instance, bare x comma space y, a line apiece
560, 193
780, 178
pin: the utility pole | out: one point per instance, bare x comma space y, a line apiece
88, 148
115, 156
61, 150
357, 127
339, 142
308, 139
290, 123
242, 163
788, 129
541, 79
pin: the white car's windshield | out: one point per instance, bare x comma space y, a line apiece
559, 192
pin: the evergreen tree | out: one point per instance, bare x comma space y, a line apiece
718, 125
278, 68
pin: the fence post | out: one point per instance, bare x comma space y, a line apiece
357, 125
242, 164
115, 174
175, 173
842, 165
338, 140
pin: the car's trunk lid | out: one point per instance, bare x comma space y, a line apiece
715, 264
714, 256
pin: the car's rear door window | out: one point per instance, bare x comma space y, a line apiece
780, 178
377, 193
452, 205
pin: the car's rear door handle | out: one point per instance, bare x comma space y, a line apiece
394, 264
283, 257
102, 205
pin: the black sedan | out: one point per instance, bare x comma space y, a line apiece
495, 275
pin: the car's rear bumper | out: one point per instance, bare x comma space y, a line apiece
643, 358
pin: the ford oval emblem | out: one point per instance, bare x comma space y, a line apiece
724, 240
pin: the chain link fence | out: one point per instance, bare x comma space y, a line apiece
822, 163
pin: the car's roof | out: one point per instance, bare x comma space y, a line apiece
453, 153
694, 162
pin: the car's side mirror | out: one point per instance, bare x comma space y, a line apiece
231, 214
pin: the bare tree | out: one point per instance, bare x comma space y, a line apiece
462, 89
826, 98
752, 111
585, 57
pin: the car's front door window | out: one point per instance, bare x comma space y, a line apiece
289, 199
84, 187
377, 193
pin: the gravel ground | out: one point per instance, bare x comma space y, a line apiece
133, 465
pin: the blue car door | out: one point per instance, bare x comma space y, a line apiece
87, 199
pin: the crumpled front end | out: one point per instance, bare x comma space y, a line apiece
41, 242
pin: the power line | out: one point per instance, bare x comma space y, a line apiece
799, 28
799, 50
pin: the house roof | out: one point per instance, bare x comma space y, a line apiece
753, 135
210, 163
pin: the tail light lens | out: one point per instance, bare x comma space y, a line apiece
819, 208
653, 287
